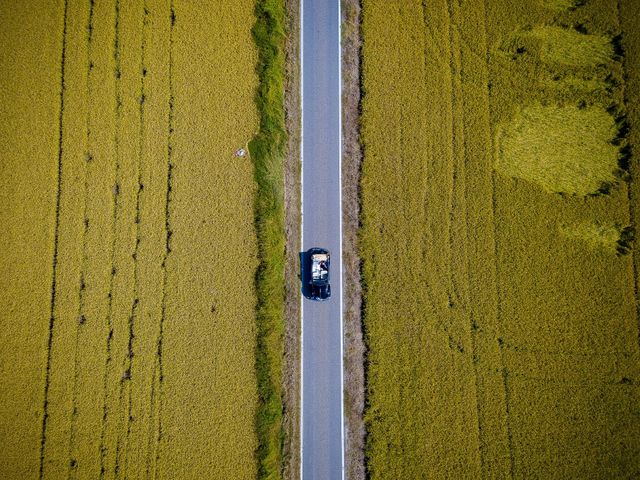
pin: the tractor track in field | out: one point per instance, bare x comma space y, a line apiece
45, 415
497, 293
81, 318
168, 233
114, 223
135, 306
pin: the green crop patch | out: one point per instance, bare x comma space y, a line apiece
563, 149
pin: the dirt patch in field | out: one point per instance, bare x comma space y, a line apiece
354, 348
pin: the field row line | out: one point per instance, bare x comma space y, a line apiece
56, 237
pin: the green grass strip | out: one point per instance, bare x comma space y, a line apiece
267, 151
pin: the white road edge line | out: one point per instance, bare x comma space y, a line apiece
341, 213
301, 232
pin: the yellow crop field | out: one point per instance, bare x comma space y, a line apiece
129, 254
499, 204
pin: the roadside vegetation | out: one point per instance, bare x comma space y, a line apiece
498, 216
267, 152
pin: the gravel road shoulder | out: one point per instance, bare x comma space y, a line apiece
354, 347
291, 372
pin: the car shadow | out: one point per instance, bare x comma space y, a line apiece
305, 274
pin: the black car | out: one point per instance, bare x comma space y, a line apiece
319, 261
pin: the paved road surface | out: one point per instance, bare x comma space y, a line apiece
322, 432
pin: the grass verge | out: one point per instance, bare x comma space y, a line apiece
267, 151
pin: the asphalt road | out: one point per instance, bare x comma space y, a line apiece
322, 419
